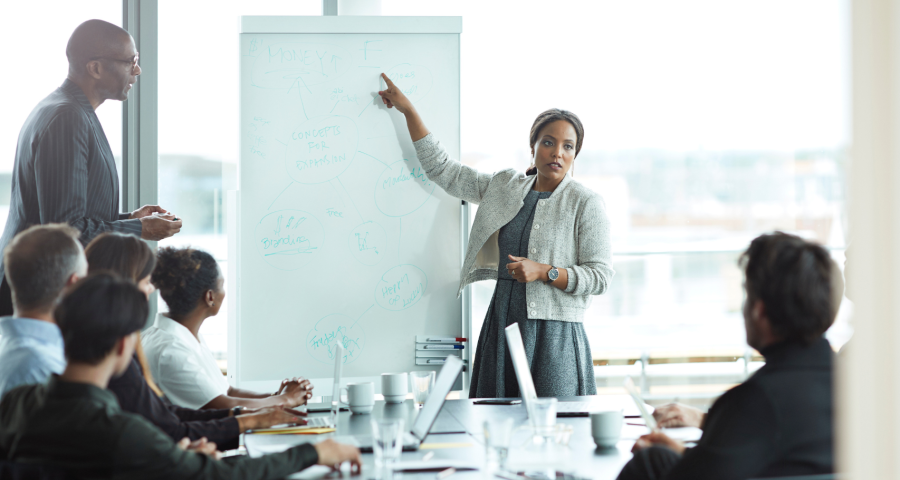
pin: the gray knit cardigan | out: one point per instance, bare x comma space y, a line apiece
570, 230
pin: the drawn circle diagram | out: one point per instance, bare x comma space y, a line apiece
367, 242
333, 330
413, 80
321, 149
288, 239
400, 190
298, 65
401, 287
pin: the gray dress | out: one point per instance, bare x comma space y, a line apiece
558, 352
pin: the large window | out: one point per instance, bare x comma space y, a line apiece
36, 34
707, 123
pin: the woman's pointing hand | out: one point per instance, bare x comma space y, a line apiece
393, 97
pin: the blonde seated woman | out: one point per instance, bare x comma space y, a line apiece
191, 284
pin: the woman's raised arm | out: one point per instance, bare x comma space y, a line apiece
459, 180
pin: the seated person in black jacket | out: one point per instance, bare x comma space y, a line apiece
780, 421
73, 423
136, 391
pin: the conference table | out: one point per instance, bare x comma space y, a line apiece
458, 434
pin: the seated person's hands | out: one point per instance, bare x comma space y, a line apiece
201, 446
333, 454
296, 391
253, 418
678, 415
658, 439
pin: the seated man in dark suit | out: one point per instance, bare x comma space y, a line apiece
72, 422
780, 421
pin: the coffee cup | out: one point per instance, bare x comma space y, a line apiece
394, 387
360, 397
606, 427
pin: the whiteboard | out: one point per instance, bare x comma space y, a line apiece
338, 235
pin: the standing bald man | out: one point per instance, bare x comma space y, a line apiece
65, 171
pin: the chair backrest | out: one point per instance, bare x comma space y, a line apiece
29, 471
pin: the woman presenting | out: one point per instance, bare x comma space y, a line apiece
544, 237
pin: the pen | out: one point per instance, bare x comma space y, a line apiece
446, 473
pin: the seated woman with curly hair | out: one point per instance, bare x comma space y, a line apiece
136, 391
191, 284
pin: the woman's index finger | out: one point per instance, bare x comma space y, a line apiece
387, 80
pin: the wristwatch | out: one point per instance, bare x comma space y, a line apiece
236, 411
553, 274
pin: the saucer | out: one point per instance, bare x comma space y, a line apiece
361, 409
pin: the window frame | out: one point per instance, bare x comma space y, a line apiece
140, 135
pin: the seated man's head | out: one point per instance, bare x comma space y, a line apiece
125, 255
100, 318
793, 288
40, 262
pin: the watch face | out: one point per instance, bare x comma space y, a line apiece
553, 273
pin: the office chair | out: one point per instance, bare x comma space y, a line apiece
30, 471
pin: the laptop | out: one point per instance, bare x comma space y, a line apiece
636, 396
444, 382
526, 383
331, 402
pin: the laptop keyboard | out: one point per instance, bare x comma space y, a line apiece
318, 421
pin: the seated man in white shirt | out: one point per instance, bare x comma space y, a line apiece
40, 262
191, 284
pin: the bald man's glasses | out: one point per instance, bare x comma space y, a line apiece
133, 61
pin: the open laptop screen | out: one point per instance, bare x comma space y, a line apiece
520, 364
336, 388
442, 385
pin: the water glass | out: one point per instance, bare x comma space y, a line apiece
544, 417
420, 384
497, 437
387, 440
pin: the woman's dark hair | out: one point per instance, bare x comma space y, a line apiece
183, 276
132, 258
548, 117
98, 311
797, 281
126, 255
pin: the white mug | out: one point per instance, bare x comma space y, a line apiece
394, 387
360, 397
606, 427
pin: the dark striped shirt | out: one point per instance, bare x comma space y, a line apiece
65, 171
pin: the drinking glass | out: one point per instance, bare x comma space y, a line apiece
497, 436
544, 418
387, 436
420, 384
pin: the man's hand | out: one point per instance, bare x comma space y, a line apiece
678, 415
333, 454
148, 210
296, 391
525, 270
268, 416
201, 446
658, 439
158, 227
